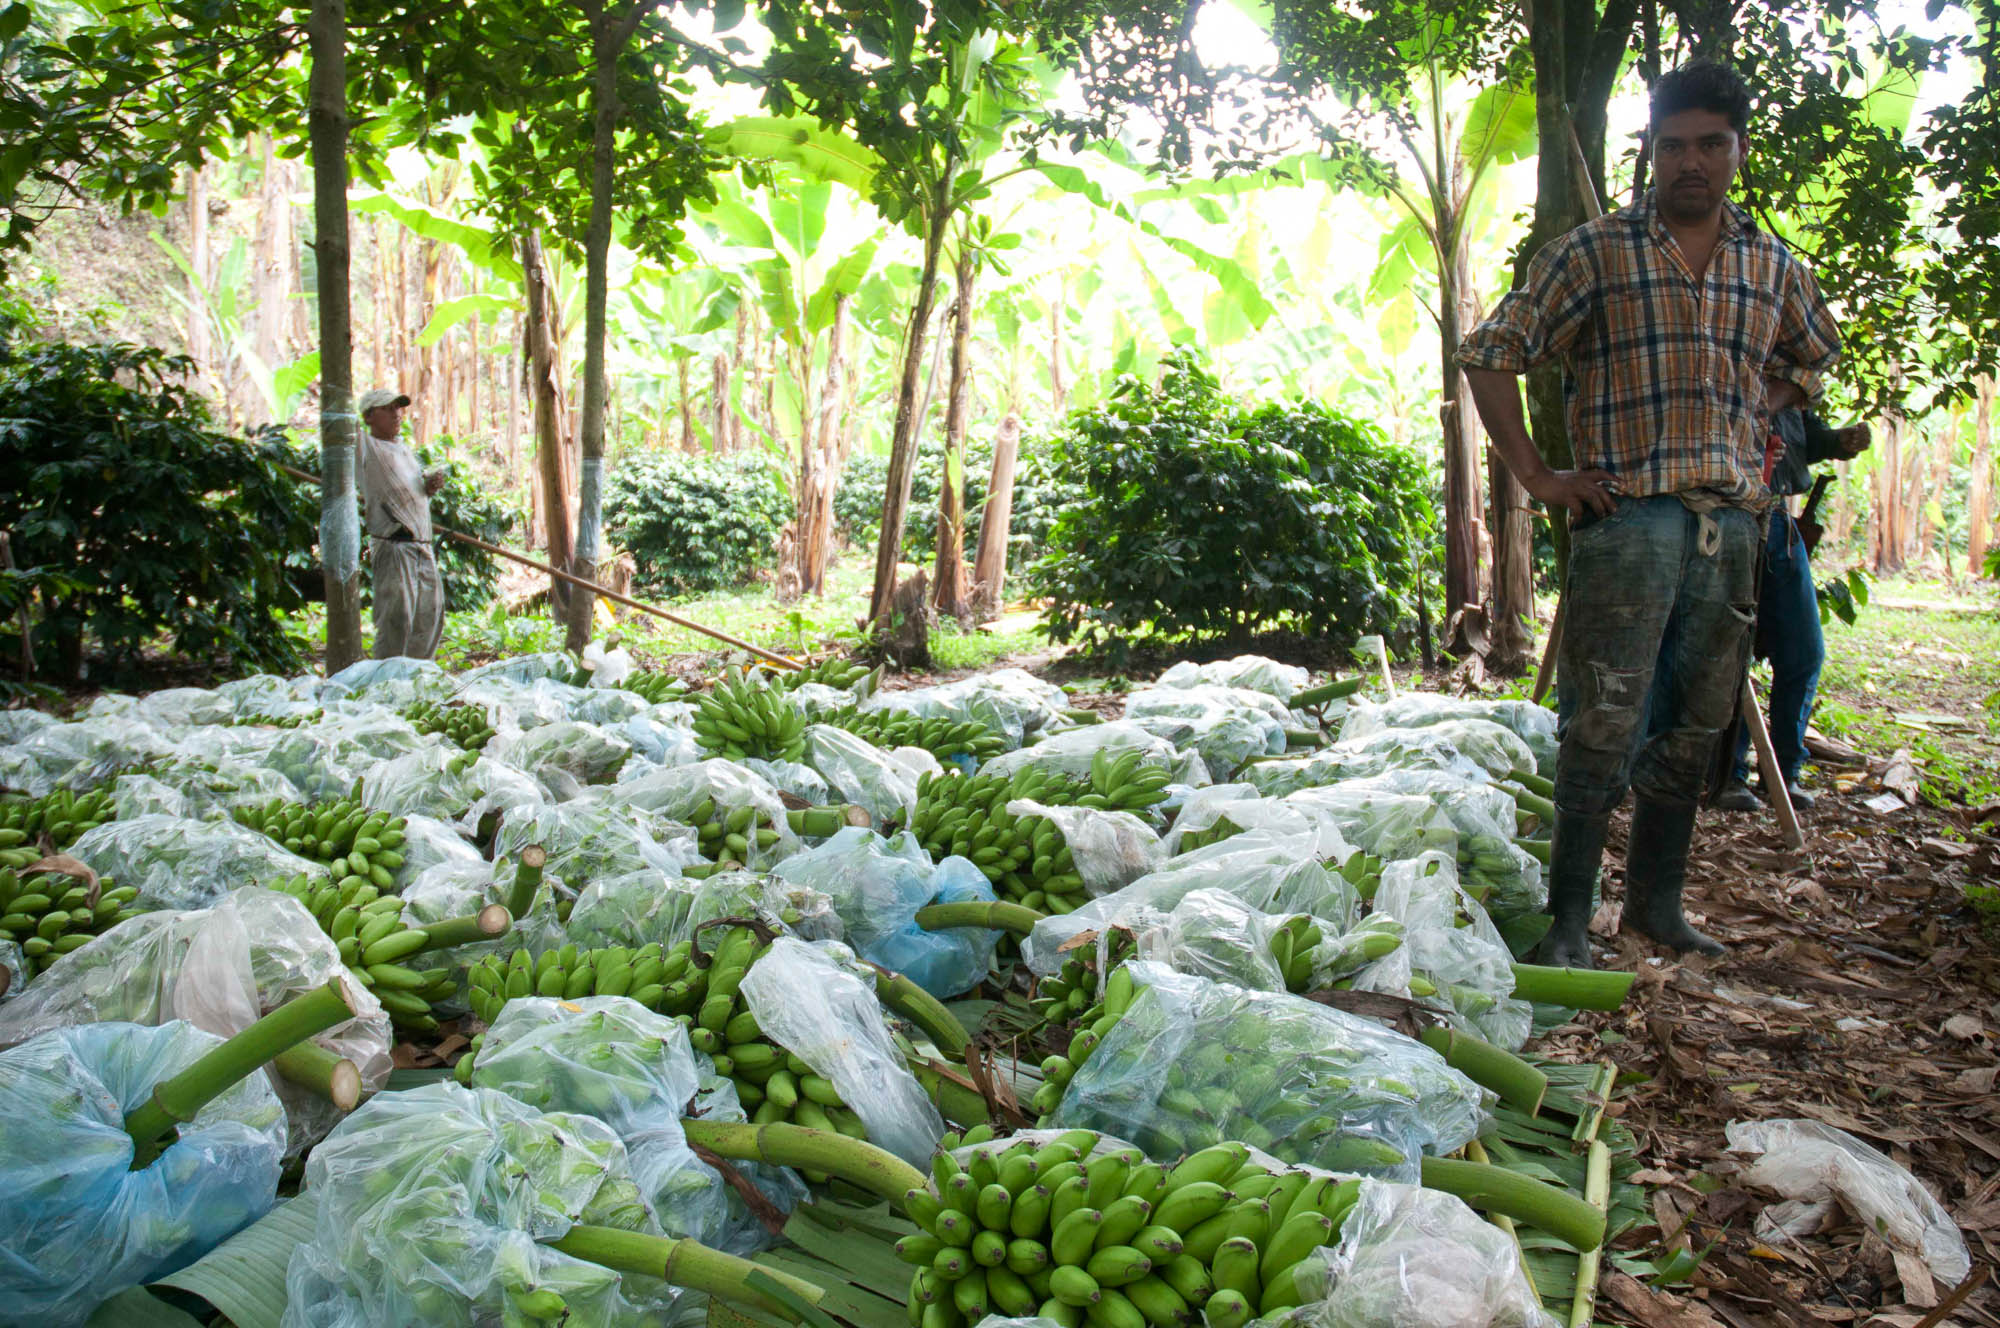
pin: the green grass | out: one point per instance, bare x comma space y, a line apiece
1937, 653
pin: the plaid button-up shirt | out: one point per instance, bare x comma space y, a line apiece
1662, 379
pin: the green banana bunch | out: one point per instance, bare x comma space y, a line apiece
1374, 937
1025, 858
374, 939
1093, 1019
1095, 1237
1124, 783
832, 671
468, 726
355, 843
740, 719
1224, 828
700, 989
254, 719
941, 737
727, 834
1293, 947
1069, 995
48, 918
655, 686
55, 820
1229, 1087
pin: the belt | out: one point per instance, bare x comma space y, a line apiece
405, 537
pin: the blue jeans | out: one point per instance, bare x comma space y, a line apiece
1653, 589
1788, 633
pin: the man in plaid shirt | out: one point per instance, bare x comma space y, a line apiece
1681, 328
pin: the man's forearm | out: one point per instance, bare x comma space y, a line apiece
1498, 396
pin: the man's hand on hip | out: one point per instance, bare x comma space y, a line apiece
1576, 490
433, 482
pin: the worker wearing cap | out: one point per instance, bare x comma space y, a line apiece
395, 493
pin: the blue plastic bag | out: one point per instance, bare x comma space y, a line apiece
877, 885
79, 1225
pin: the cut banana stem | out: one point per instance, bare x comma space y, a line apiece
1597, 1192
1538, 849
179, 1099
926, 1011
683, 1263
1534, 783
1515, 1080
1497, 1190
876, 1170
527, 879
1327, 691
318, 1070
1577, 988
489, 922
998, 915
1533, 803
955, 1102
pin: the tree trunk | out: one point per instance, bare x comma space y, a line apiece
1058, 389
989, 568
1979, 504
404, 367
201, 344
381, 305
339, 430
718, 390
1461, 488
1887, 524
684, 377
551, 448
814, 549
271, 279
608, 40
425, 393
475, 360
903, 444
948, 588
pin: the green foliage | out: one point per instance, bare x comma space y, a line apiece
1200, 518
1843, 596
695, 524
159, 526
857, 502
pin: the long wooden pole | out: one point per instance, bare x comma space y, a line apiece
591, 586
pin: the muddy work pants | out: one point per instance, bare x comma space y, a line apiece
1652, 572
409, 599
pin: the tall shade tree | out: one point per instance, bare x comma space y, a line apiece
917, 86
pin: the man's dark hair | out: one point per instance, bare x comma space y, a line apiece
1702, 85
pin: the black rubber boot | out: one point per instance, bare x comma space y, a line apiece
1573, 862
1655, 871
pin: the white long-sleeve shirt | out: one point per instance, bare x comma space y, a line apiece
392, 489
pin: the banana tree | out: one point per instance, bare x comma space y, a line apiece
802, 248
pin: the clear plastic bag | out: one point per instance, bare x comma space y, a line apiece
1071, 752
660, 735
390, 682
80, 754
428, 842
19, 725
1227, 725
1252, 672
178, 863
1215, 935
434, 1205
13, 971
594, 837
1417, 1258
142, 795
1111, 849
1194, 1062
829, 1018
789, 777
435, 782
1269, 873
609, 1057
1012, 702
1812, 1162
785, 906
876, 886
219, 969
1391, 749
80, 1225
1505, 877
268, 694
629, 910
185, 707
1243, 807
884, 784
564, 757
216, 788
1533, 724
676, 793
327, 759
1449, 939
